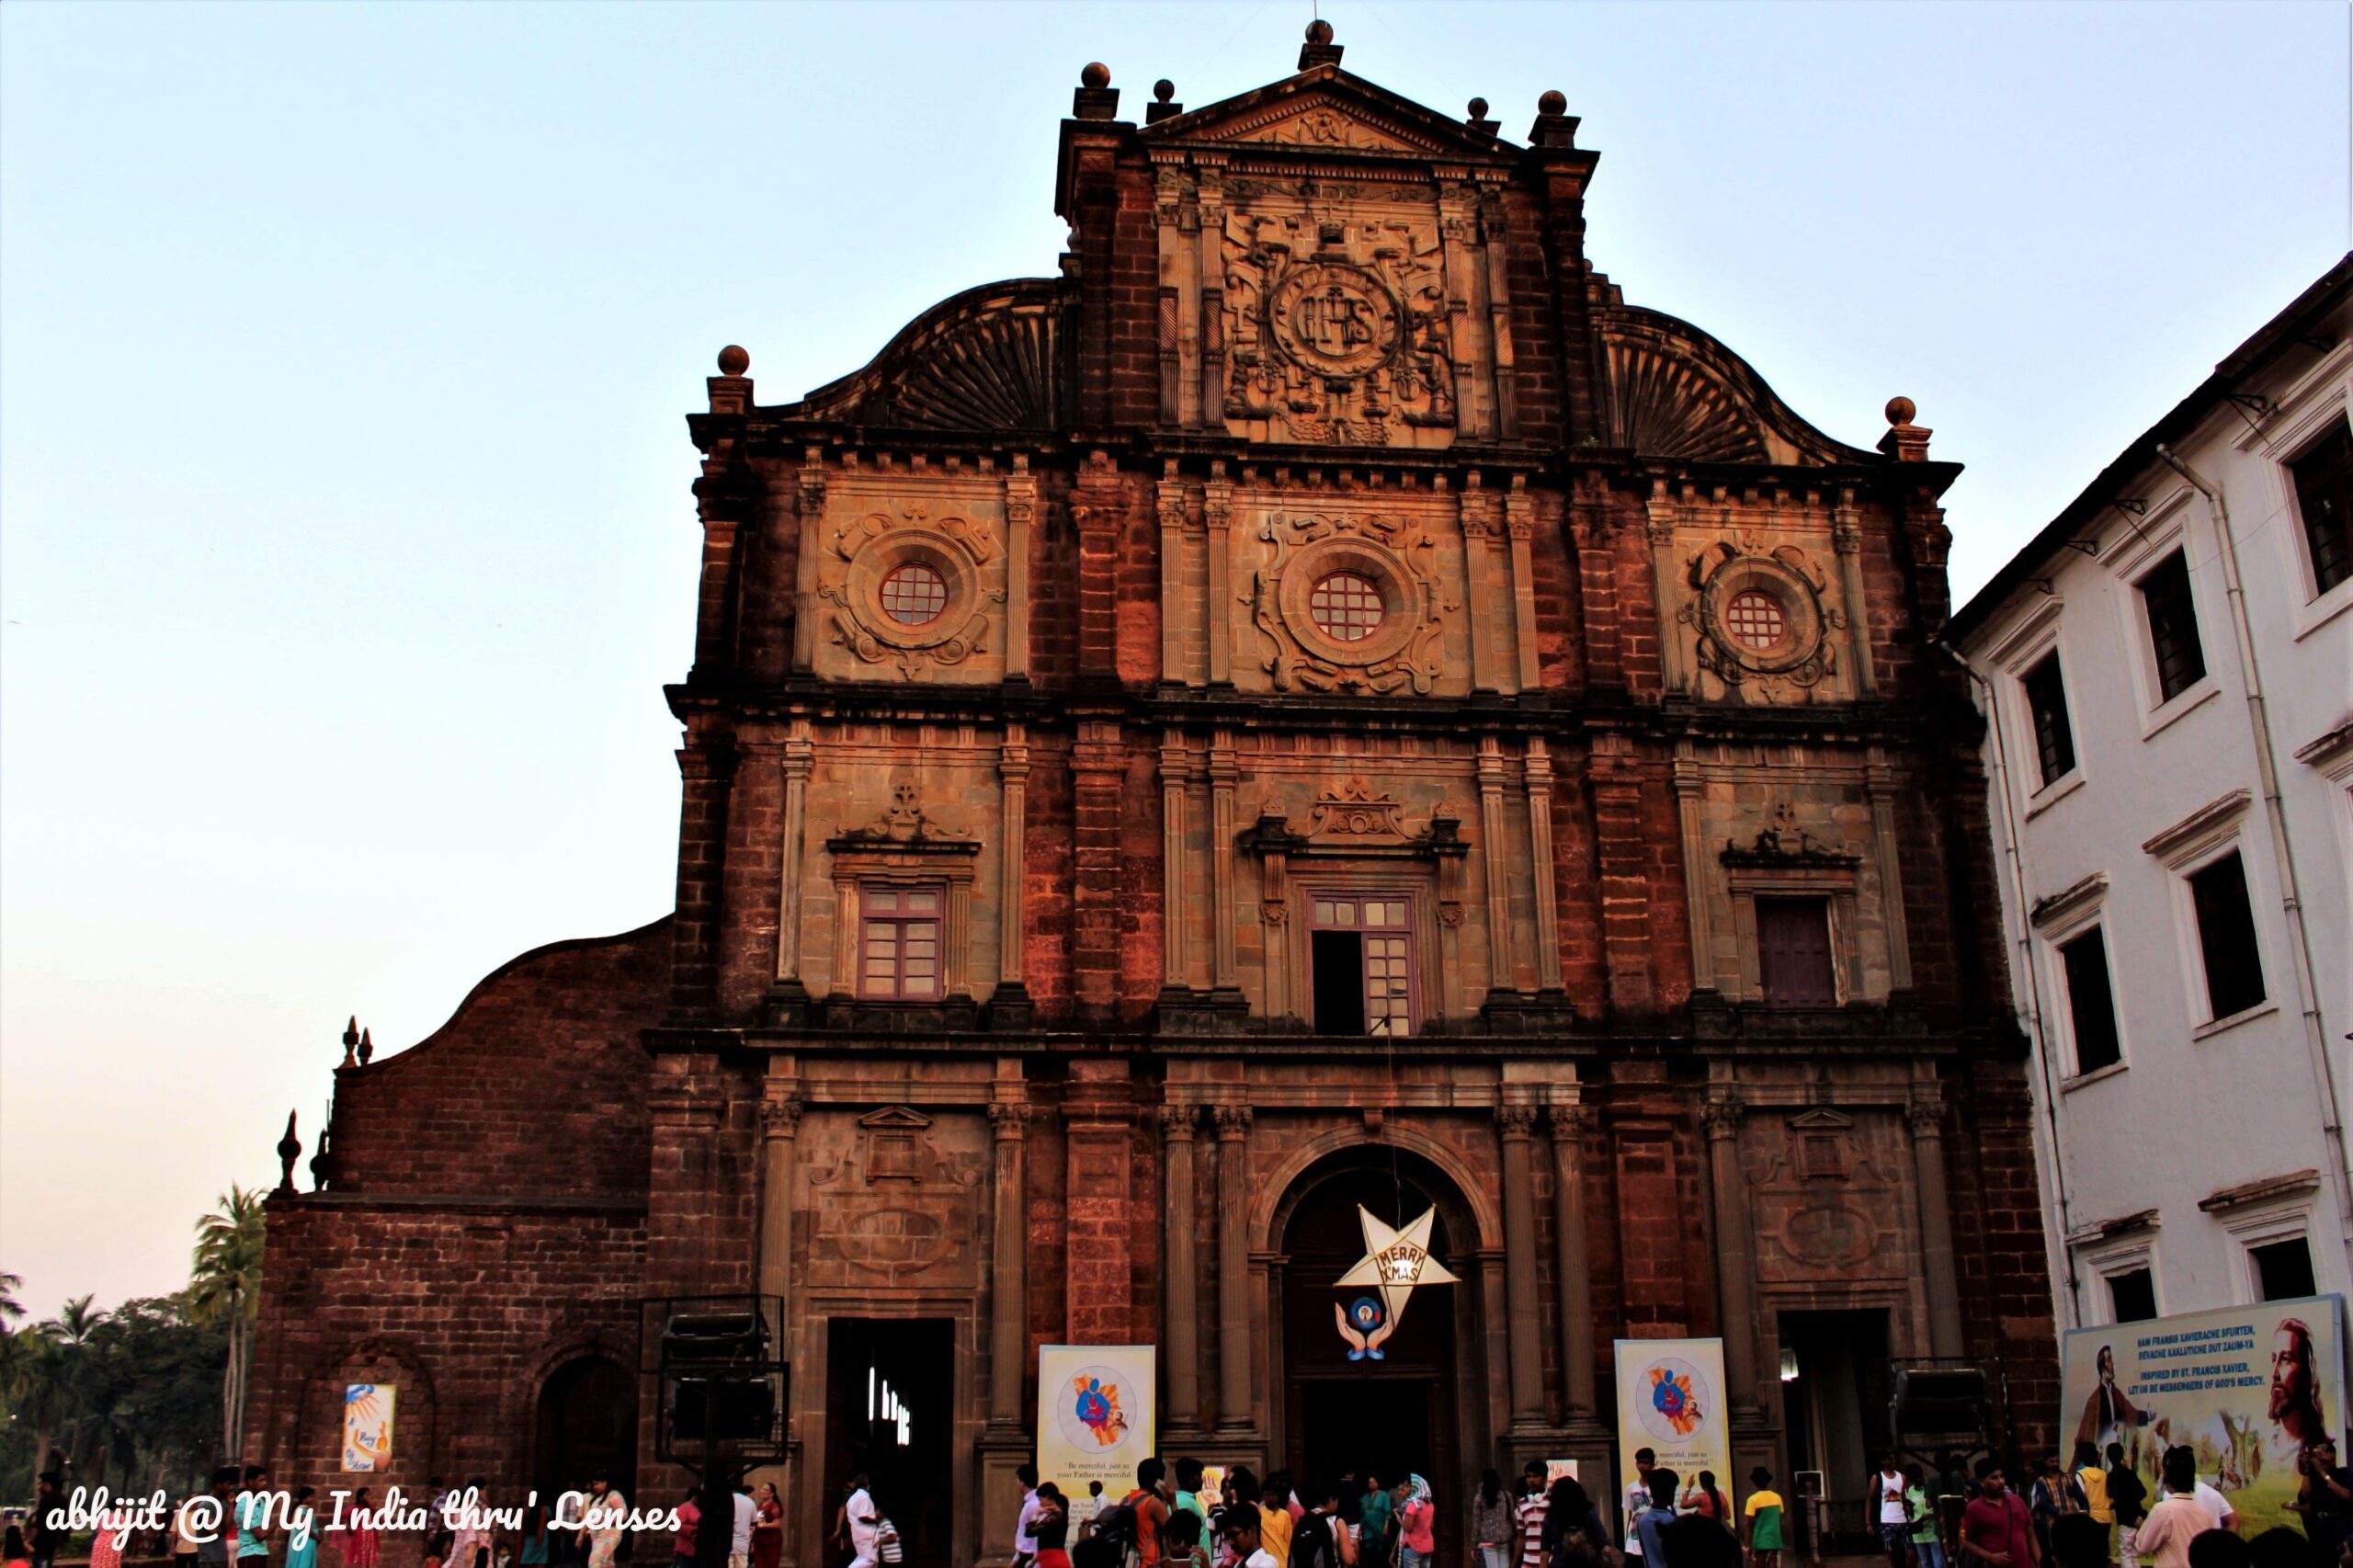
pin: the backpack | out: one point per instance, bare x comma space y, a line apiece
1311, 1546
1115, 1530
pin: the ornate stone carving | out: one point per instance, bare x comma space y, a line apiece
984, 359
1397, 556
1352, 811
1009, 1120
1572, 1122
1761, 618
1515, 1120
1232, 1121
781, 1117
1924, 1115
894, 1196
903, 823
1722, 1115
1177, 1122
1335, 332
961, 552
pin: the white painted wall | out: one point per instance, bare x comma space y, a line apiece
2194, 1108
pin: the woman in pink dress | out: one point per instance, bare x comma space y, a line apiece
107, 1543
356, 1538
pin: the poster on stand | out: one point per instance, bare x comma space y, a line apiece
1671, 1401
2248, 1388
1096, 1415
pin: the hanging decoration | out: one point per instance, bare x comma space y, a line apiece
1395, 1261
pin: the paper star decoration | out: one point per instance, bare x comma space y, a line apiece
1397, 1260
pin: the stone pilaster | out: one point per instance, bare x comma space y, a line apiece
1180, 1337
1233, 1356
1925, 1116
1570, 1125
1515, 1125
1887, 859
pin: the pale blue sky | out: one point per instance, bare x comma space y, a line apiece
344, 351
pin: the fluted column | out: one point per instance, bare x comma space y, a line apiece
1735, 1283
1234, 1407
1176, 769
1009, 1263
1539, 768
1570, 1124
1495, 855
1180, 1333
1924, 1116
799, 757
1516, 1126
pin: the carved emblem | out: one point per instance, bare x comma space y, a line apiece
1762, 623
1336, 333
903, 821
944, 623
1332, 318
894, 1204
1397, 556
1352, 811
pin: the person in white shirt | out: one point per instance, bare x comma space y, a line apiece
1637, 1498
1242, 1535
739, 1544
1025, 1528
863, 1521
2212, 1501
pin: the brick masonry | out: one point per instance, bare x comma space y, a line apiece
1129, 760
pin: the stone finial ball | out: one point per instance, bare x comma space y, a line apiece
1552, 102
1163, 90
733, 361
1900, 411
1319, 31
1097, 75
1478, 108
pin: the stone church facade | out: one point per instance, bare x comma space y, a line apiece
1322, 702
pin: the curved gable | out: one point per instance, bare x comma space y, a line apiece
1675, 391
984, 359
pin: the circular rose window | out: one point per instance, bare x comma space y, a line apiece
1756, 620
914, 594
1347, 607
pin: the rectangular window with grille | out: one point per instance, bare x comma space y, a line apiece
2046, 700
2226, 936
1794, 960
1361, 958
900, 945
2091, 1005
2325, 502
2172, 626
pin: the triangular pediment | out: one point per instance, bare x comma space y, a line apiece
895, 1118
1820, 1120
1327, 110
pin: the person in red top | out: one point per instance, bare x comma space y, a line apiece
1997, 1529
1150, 1500
682, 1546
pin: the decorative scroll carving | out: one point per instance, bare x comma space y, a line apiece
1782, 841
1515, 1120
895, 1198
1397, 555
962, 550
1352, 811
1744, 590
1336, 333
904, 825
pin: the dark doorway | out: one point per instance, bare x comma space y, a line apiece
890, 1389
1835, 1411
1389, 1416
588, 1427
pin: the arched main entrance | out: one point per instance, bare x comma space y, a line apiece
1414, 1408
588, 1427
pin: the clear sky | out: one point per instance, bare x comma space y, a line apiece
345, 533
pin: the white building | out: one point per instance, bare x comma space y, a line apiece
2167, 671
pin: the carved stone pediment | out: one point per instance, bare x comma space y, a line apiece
1352, 811
903, 826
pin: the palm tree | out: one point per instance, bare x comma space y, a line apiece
12, 1311
72, 1329
32, 1377
226, 1289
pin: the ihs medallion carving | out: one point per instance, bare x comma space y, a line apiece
912, 591
1336, 331
1349, 601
